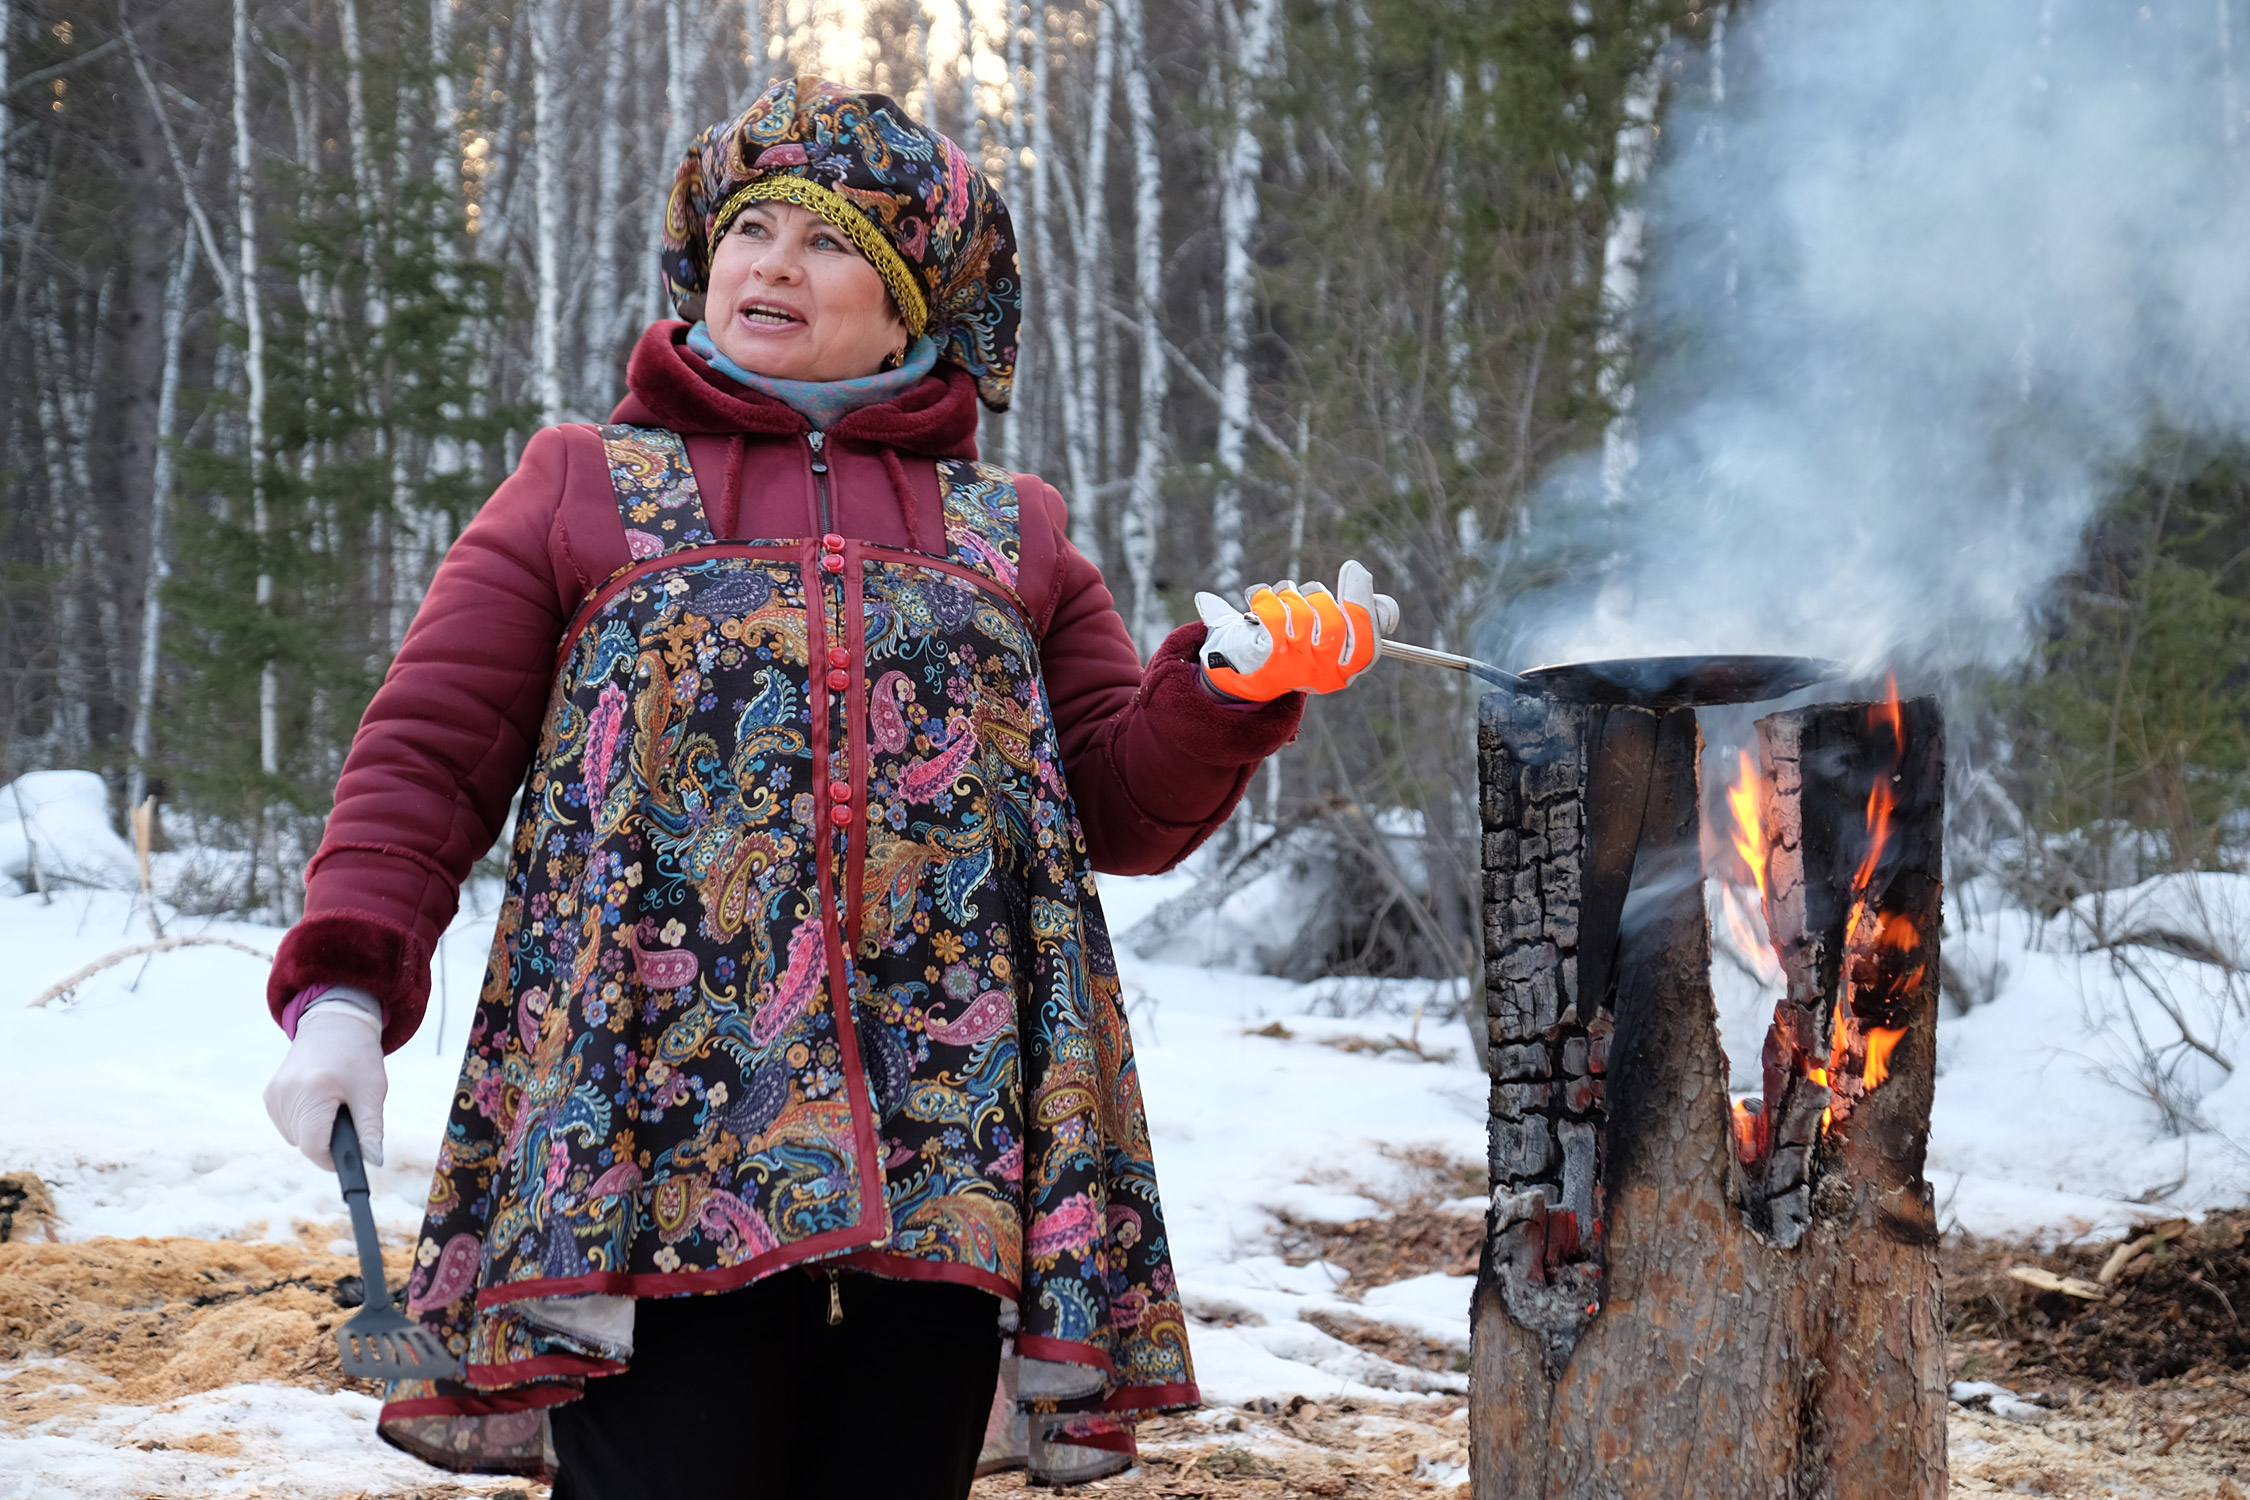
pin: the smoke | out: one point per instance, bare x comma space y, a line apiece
1921, 275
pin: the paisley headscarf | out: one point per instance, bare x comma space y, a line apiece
906, 196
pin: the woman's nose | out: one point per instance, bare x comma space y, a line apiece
777, 264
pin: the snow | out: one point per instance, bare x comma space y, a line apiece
137, 1099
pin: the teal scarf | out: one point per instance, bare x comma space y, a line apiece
821, 402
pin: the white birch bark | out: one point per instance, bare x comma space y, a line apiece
546, 146
254, 369
142, 739
1238, 225
678, 111
1019, 429
1143, 518
1621, 283
1093, 261
1060, 346
605, 317
199, 221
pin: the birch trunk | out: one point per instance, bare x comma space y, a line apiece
1238, 225
1064, 379
254, 371
1621, 283
1093, 259
546, 145
1143, 520
160, 501
1019, 429
678, 107
605, 317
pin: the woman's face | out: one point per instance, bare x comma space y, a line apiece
793, 299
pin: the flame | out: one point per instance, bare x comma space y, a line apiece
1745, 797
1882, 960
1880, 1041
1749, 831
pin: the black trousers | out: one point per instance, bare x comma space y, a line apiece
755, 1395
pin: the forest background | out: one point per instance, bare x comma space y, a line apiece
287, 284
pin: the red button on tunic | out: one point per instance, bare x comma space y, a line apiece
839, 657
839, 814
838, 681
839, 791
832, 542
832, 563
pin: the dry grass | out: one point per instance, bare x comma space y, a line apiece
149, 1321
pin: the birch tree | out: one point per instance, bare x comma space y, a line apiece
159, 570
546, 128
254, 371
604, 328
1238, 226
1143, 519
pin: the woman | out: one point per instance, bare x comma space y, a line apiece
799, 1071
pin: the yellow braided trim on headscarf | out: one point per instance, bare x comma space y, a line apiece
857, 227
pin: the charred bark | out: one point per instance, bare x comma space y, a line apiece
1700, 1338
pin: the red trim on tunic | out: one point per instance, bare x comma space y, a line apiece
523, 1398
683, 1283
541, 1367
894, 1266
1063, 1352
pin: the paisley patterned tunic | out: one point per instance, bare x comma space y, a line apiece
800, 960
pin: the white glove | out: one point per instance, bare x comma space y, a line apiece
337, 1058
1295, 638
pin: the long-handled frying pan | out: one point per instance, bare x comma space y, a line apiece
1642, 681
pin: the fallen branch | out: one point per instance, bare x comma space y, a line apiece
161, 945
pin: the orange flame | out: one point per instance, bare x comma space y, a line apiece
1880, 1041
1749, 830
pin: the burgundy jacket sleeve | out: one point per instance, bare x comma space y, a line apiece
443, 746
1155, 762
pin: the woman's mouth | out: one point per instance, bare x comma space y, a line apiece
766, 315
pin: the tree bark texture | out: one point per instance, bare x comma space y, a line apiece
1640, 1330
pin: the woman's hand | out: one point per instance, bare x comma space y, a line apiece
337, 1058
1295, 638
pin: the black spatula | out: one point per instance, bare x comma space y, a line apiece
380, 1342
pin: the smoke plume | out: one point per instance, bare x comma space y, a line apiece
1921, 275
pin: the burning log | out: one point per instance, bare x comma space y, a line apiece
1679, 1299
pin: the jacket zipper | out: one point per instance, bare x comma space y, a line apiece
819, 443
835, 1300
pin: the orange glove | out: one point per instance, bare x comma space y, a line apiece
1295, 638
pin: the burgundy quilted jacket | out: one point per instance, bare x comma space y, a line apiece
1155, 762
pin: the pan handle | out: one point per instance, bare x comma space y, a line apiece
1424, 656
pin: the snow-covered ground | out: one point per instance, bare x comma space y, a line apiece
137, 1099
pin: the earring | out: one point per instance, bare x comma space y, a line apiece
897, 359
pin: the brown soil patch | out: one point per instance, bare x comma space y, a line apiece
1414, 1236
2173, 1310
